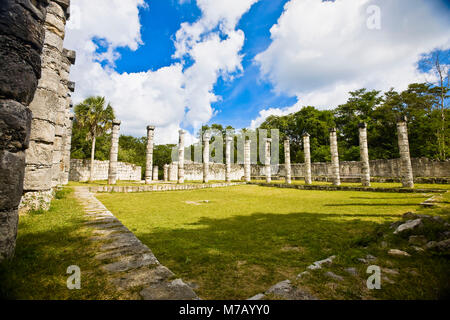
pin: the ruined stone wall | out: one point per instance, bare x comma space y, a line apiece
46, 159
194, 171
21, 41
422, 167
80, 170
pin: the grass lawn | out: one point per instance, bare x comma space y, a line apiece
47, 244
248, 238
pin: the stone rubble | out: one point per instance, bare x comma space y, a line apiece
409, 226
398, 253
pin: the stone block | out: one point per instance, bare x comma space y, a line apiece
50, 80
37, 178
11, 179
19, 70
39, 153
42, 131
23, 21
8, 233
41, 102
70, 55
55, 24
15, 122
53, 40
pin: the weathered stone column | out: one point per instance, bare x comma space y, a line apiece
206, 140
67, 148
155, 173
405, 157
228, 141
44, 158
334, 158
112, 173
21, 41
181, 157
287, 160
166, 173
267, 161
247, 160
364, 151
173, 172
307, 152
149, 154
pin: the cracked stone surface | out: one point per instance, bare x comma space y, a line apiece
174, 290
129, 263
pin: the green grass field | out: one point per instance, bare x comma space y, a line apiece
245, 239
47, 244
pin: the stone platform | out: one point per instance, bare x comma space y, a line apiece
161, 187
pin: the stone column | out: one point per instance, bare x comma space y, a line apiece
267, 161
228, 141
181, 157
67, 149
334, 158
364, 151
112, 172
149, 154
166, 173
247, 160
21, 41
44, 158
405, 158
287, 160
173, 172
206, 140
155, 173
307, 152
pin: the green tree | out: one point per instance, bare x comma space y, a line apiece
96, 119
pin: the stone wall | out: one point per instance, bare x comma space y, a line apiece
194, 171
80, 171
21, 40
51, 128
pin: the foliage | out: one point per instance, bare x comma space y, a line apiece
419, 103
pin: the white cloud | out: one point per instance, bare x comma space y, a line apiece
322, 50
172, 96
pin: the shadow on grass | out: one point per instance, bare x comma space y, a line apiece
392, 198
38, 269
370, 205
237, 257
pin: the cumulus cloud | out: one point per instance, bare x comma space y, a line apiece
173, 96
322, 50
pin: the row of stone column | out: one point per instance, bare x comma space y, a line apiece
406, 167
407, 175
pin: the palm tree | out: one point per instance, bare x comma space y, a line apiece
92, 116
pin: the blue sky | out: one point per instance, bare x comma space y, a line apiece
182, 63
244, 96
